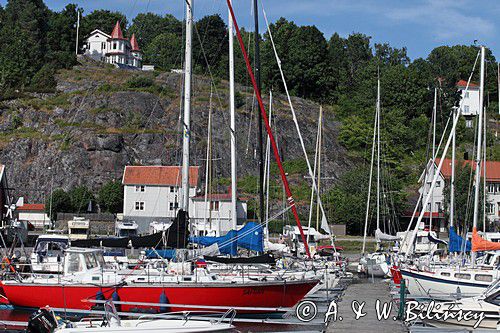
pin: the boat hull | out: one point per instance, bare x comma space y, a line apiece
431, 285
280, 294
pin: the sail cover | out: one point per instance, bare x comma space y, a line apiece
249, 237
481, 244
382, 237
436, 240
456, 243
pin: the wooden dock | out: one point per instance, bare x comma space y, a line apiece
364, 290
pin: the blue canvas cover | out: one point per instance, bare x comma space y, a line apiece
457, 242
155, 254
228, 244
250, 237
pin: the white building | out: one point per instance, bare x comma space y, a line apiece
492, 189
470, 100
33, 214
213, 216
151, 193
114, 48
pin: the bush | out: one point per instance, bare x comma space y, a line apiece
80, 197
44, 80
140, 82
110, 197
58, 202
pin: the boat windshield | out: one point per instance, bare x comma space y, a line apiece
51, 245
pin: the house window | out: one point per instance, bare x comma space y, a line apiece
490, 208
173, 205
214, 205
140, 188
438, 206
429, 206
466, 109
466, 94
438, 184
492, 188
103, 45
139, 205
172, 189
114, 46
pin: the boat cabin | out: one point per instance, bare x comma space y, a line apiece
126, 229
48, 253
80, 260
78, 228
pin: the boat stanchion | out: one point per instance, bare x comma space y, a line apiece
402, 300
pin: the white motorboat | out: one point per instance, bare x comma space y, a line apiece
46, 321
375, 264
48, 253
486, 306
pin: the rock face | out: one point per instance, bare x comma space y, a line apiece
96, 124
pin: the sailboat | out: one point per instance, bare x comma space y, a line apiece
377, 263
452, 282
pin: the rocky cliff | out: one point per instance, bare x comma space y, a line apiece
102, 119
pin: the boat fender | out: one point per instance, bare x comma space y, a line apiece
164, 300
116, 298
99, 296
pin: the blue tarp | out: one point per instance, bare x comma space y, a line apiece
457, 242
249, 237
155, 254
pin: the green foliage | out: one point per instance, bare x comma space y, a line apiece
103, 20
58, 202
110, 197
140, 82
44, 80
165, 51
79, 198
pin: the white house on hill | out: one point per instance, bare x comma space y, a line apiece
470, 100
151, 193
114, 48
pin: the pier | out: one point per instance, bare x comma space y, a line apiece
368, 291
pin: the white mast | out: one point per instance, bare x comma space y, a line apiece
268, 164
477, 182
77, 29
234, 211
452, 181
318, 196
484, 171
314, 176
433, 153
187, 108
378, 153
370, 182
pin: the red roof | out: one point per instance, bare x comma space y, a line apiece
434, 214
215, 197
117, 31
158, 175
492, 169
134, 44
463, 84
33, 207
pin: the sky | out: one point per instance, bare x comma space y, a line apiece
420, 25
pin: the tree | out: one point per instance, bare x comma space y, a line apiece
164, 51
148, 26
80, 197
212, 31
103, 20
57, 202
22, 41
110, 197
61, 35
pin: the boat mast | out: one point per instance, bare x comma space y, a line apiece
478, 155
318, 197
378, 152
257, 79
268, 164
187, 108
484, 171
452, 180
434, 109
234, 211
77, 30
370, 182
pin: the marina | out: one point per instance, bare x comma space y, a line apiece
166, 172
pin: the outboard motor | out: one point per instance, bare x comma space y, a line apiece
42, 321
